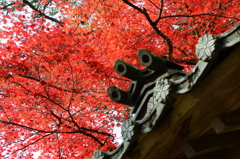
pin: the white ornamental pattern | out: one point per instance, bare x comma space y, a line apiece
161, 90
206, 47
151, 105
127, 130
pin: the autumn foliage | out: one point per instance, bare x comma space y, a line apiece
56, 59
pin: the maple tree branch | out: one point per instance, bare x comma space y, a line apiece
71, 120
80, 129
1, 108
78, 111
59, 132
205, 13
25, 146
40, 95
87, 134
133, 6
57, 117
154, 26
160, 12
160, 33
90, 130
96, 131
181, 51
188, 62
25, 127
51, 85
6, 6
197, 15
146, 36
154, 4
19, 141
41, 13
161, 8
220, 6
195, 30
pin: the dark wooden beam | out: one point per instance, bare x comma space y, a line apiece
233, 152
213, 155
210, 143
226, 122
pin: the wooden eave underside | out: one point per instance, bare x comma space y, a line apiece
190, 118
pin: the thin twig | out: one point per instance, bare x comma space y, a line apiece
160, 12
6, 6
41, 13
197, 15
29, 144
56, 87
154, 4
40, 95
